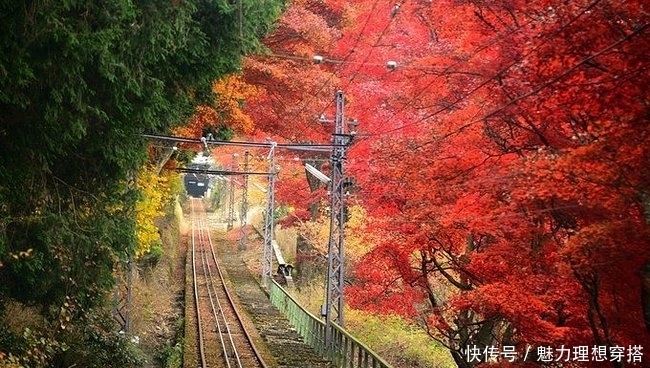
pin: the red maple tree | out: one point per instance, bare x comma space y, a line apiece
502, 154
517, 214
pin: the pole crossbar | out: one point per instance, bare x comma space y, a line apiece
321, 147
219, 172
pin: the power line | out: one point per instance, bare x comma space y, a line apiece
365, 63
501, 37
516, 99
361, 65
501, 214
339, 62
379, 38
546, 38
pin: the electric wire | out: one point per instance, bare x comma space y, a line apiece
312, 97
365, 62
518, 98
367, 56
476, 120
219, 172
545, 39
347, 56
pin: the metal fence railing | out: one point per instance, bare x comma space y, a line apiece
345, 350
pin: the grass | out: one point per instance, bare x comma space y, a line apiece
402, 344
399, 342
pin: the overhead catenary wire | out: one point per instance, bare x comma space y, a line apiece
376, 43
362, 64
365, 62
501, 214
523, 96
545, 39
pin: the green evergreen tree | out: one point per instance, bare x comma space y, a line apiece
80, 81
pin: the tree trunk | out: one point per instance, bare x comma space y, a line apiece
645, 295
460, 360
645, 273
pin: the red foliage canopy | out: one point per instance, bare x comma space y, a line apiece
511, 174
504, 158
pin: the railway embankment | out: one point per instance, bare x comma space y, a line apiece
281, 340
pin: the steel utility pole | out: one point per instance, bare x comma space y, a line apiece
335, 251
244, 206
223, 197
269, 221
231, 208
123, 297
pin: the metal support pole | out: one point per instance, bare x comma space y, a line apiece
123, 297
223, 195
244, 207
231, 208
269, 221
129, 293
334, 302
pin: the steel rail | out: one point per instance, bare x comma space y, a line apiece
258, 355
217, 308
196, 291
212, 296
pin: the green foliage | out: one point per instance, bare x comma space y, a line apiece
222, 133
97, 344
281, 211
63, 256
184, 157
151, 258
93, 343
80, 81
396, 340
172, 356
218, 195
31, 349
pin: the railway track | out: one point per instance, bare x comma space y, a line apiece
222, 338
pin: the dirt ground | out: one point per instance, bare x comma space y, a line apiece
158, 298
